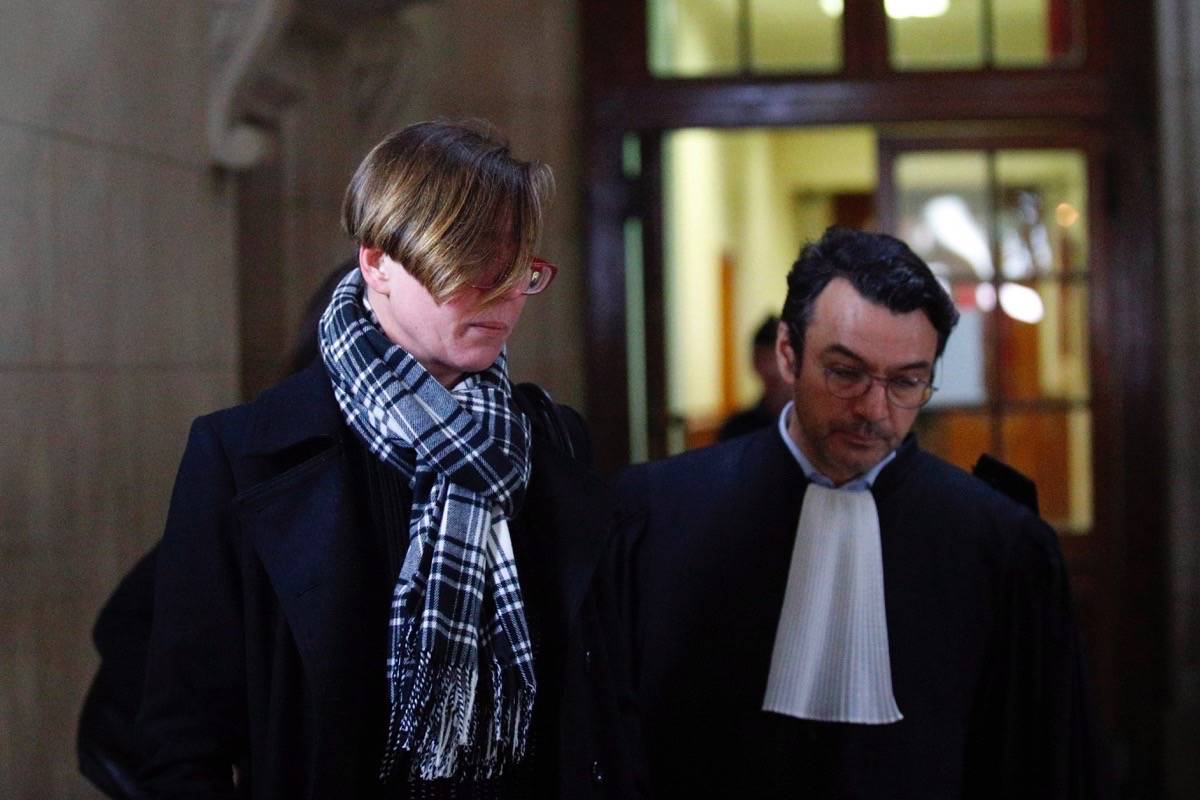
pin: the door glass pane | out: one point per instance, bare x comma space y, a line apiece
1035, 33
1007, 233
1054, 448
737, 204
1042, 213
961, 376
936, 34
943, 210
1041, 333
795, 36
693, 37
635, 342
960, 437
960, 34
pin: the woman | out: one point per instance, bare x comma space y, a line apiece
380, 579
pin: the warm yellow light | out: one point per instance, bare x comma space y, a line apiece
1065, 215
896, 9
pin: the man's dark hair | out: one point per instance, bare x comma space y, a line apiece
764, 335
880, 267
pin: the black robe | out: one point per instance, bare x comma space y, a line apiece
986, 667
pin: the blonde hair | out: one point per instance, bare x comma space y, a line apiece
444, 200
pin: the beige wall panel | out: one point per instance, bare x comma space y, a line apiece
48, 662
87, 471
135, 262
325, 142
498, 52
130, 74
118, 324
108, 258
23, 230
90, 457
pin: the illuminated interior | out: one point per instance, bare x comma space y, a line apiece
694, 38
1006, 230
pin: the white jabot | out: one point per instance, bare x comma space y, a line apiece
830, 660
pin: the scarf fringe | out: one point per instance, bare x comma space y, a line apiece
451, 729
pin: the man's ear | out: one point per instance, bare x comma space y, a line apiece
376, 268
785, 356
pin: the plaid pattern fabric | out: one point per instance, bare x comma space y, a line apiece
460, 661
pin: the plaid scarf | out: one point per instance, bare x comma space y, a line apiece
460, 660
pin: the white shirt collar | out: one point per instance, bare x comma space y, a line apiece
862, 483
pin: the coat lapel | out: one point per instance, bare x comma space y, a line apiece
308, 529
564, 528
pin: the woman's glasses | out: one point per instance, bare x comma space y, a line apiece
541, 275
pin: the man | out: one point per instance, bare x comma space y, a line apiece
776, 391
825, 610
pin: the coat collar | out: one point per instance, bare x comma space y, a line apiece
297, 410
306, 521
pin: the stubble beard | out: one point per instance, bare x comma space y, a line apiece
852, 460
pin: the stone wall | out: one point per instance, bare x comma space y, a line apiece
117, 326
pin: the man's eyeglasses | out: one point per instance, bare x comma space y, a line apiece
541, 275
902, 392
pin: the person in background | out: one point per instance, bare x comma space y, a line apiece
776, 391
384, 577
824, 609
305, 345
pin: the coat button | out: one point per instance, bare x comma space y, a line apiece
587, 658
598, 772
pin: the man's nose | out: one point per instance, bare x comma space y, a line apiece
873, 404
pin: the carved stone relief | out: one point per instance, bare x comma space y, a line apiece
260, 65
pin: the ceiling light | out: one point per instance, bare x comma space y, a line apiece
954, 226
1022, 303
832, 8
1066, 215
922, 9
896, 9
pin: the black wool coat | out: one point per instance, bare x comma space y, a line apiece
265, 674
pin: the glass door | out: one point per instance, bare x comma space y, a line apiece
1012, 227
1006, 230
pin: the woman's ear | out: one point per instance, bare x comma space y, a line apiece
376, 267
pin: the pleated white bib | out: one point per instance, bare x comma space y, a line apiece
830, 661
